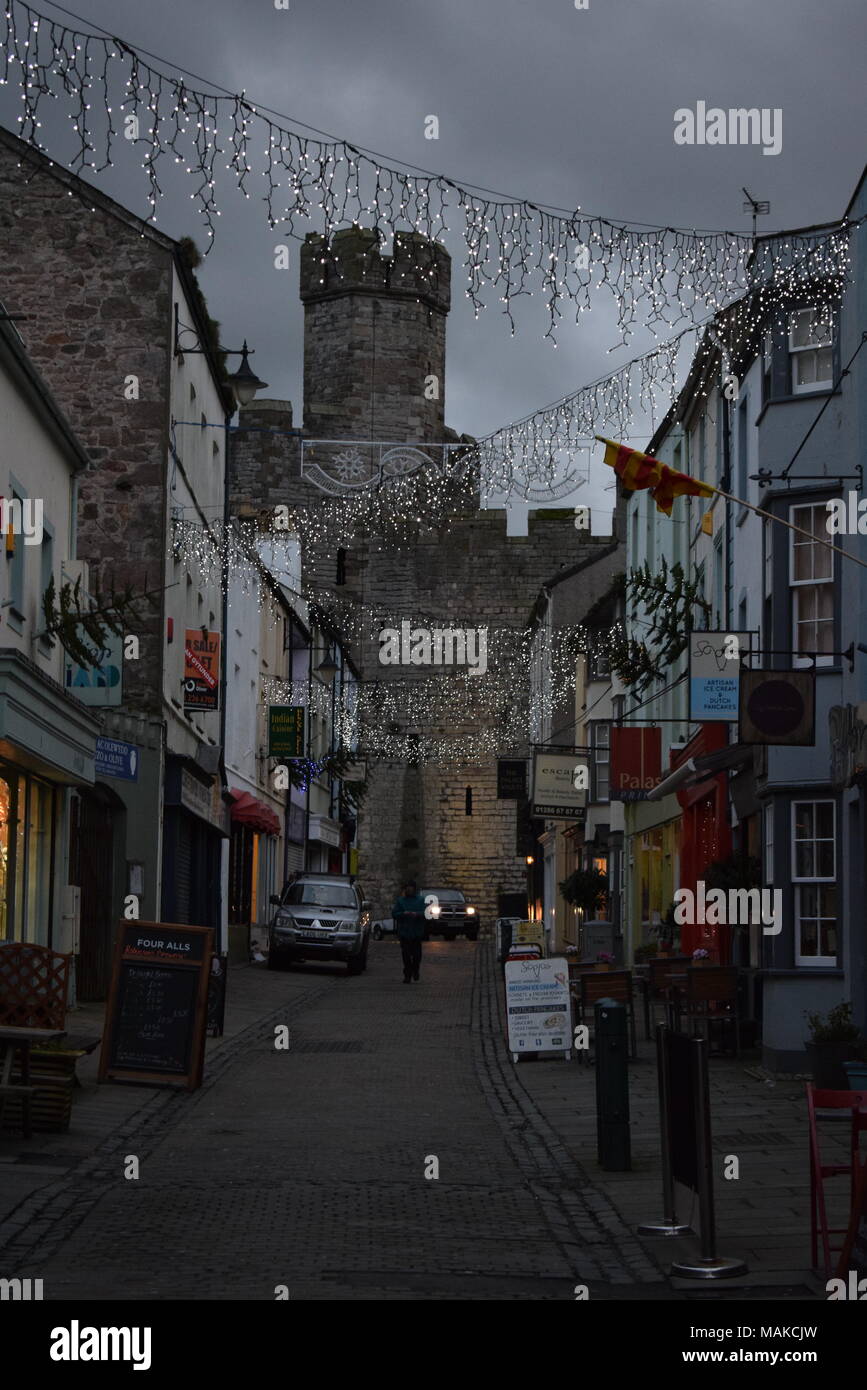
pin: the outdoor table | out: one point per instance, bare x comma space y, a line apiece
21, 1040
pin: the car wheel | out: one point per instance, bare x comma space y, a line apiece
357, 964
377, 932
274, 962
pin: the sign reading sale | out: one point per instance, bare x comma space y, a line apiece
201, 669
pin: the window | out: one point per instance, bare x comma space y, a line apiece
468, 801
814, 873
767, 363
718, 585
810, 352
600, 743
599, 664
811, 580
340, 577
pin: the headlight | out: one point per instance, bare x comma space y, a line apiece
471, 912
435, 910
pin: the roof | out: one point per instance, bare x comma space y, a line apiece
95, 198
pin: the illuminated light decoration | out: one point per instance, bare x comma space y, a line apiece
513, 247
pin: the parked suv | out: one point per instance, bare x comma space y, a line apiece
320, 917
449, 913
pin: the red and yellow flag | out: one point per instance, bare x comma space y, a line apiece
638, 471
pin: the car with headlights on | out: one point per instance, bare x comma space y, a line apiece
448, 913
320, 917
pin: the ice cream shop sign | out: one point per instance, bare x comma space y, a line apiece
848, 731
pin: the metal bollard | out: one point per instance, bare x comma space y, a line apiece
612, 1086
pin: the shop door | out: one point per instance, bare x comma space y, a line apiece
93, 860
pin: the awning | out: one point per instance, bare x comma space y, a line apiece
698, 769
246, 810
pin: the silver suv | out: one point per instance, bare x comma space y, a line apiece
320, 917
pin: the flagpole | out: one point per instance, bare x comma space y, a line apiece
799, 529
741, 503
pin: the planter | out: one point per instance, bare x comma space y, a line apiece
826, 1064
857, 1075
696, 964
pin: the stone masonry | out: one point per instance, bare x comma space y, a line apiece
374, 332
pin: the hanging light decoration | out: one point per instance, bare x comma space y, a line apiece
513, 247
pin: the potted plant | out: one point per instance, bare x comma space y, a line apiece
834, 1039
700, 956
585, 888
666, 931
604, 960
645, 952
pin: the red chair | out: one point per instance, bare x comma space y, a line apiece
856, 1102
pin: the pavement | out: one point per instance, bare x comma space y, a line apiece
392, 1152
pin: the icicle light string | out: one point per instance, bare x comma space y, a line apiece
513, 247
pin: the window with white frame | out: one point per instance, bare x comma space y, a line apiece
600, 742
811, 581
810, 351
814, 873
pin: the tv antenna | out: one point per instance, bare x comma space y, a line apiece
757, 208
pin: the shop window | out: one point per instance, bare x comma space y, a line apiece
814, 872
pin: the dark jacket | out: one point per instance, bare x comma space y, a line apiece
409, 928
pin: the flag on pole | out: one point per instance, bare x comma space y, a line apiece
639, 471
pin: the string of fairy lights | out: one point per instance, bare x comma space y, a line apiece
119, 99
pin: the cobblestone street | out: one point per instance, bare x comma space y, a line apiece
306, 1167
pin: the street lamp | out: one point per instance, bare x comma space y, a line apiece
327, 668
244, 382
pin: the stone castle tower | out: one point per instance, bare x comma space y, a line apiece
374, 337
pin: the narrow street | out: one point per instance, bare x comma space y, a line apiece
306, 1167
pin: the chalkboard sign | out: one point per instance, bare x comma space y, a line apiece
157, 1004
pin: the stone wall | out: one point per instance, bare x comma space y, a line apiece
97, 298
375, 319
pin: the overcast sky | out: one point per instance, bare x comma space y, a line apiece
534, 98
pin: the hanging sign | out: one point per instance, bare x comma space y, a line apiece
100, 682
285, 731
538, 1006
778, 707
557, 778
116, 759
714, 674
636, 763
201, 670
156, 1011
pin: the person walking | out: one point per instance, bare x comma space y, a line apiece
408, 913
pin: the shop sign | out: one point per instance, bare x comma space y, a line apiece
511, 779
778, 707
528, 934
554, 786
538, 1006
326, 831
201, 670
101, 681
116, 759
848, 732
714, 674
636, 763
285, 731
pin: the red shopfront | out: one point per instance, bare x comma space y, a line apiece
705, 836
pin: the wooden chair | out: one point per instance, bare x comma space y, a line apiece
856, 1102
712, 997
659, 981
608, 984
